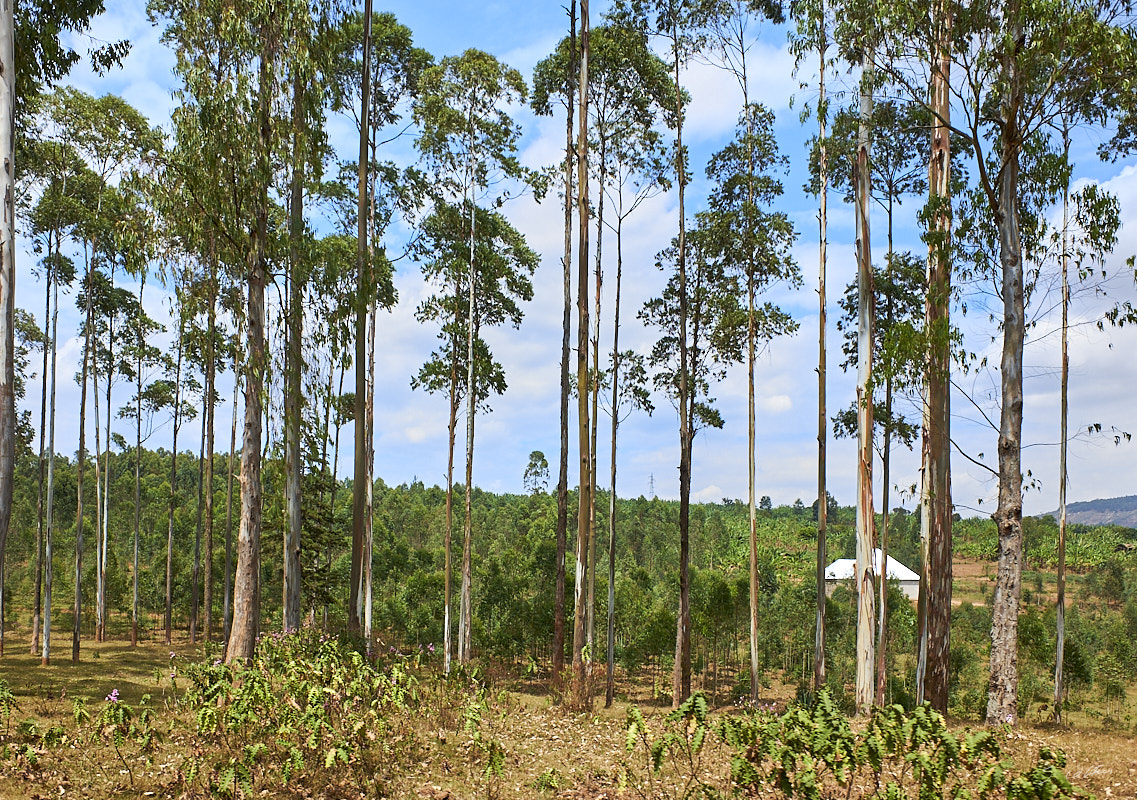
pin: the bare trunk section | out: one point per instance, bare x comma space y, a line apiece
1063, 478
681, 678
937, 460
82, 460
137, 470
865, 684
1002, 706
447, 644
594, 415
174, 484
580, 691
105, 502
7, 285
195, 586
566, 333
466, 619
246, 586
882, 583
822, 422
369, 520
752, 477
293, 398
209, 411
227, 619
610, 682
37, 600
359, 499
49, 521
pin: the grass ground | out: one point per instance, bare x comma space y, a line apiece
545, 752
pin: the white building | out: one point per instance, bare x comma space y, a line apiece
845, 569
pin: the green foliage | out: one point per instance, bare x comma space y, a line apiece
813, 754
7, 704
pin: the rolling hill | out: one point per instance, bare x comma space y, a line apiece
1110, 511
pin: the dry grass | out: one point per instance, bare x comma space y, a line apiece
547, 753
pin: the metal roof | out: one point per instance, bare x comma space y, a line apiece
846, 569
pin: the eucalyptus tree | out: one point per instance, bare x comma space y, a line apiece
682, 27
581, 694
899, 132
701, 325
754, 244
234, 70
114, 139
629, 93
865, 531
8, 99
732, 40
503, 266
57, 268
1086, 237
638, 171
1023, 66
469, 143
814, 21
567, 92
1029, 76
372, 59
50, 165
629, 382
136, 238
31, 32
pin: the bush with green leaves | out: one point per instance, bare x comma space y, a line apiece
305, 704
813, 753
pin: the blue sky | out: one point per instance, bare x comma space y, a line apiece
411, 427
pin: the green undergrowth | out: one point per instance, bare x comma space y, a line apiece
314, 716
811, 753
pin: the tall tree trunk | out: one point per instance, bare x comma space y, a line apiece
293, 399
246, 586
99, 488
359, 499
335, 486
37, 600
1063, 478
174, 483
82, 460
210, 412
610, 683
466, 610
49, 517
681, 679
882, 596
594, 417
1002, 706
822, 422
227, 618
104, 535
369, 520
937, 476
137, 468
566, 332
751, 478
7, 284
865, 684
195, 583
580, 692
447, 643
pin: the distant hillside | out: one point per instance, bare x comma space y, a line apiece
1111, 511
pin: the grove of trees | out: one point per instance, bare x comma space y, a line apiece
242, 245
